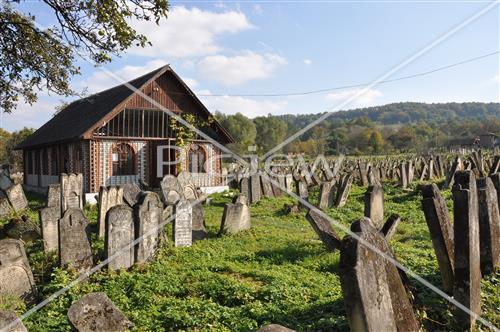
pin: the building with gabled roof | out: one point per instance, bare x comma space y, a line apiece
123, 135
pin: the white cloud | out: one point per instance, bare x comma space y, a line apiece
191, 82
257, 9
32, 116
366, 98
307, 61
240, 68
189, 32
102, 80
247, 106
496, 78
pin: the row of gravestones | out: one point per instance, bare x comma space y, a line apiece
470, 247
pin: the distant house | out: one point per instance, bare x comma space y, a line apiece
488, 140
116, 136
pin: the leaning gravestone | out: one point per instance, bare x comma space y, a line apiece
9, 322
489, 226
440, 228
199, 228
71, 191
119, 237
235, 218
131, 193
323, 228
171, 189
389, 228
74, 245
467, 285
5, 207
374, 204
16, 197
49, 219
344, 187
16, 278
96, 312
5, 181
54, 197
289, 182
147, 226
183, 224
326, 195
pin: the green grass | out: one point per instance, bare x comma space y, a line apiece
277, 272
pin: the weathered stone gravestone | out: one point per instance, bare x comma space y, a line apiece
54, 197
302, 190
274, 328
344, 187
374, 204
131, 193
403, 178
267, 189
49, 220
467, 285
326, 195
16, 278
323, 228
119, 238
236, 218
147, 226
96, 312
183, 224
107, 199
440, 228
457, 163
5, 181
489, 225
71, 191
245, 186
374, 295
495, 178
199, 228
74, 245
289, 182
5, 207
16, 197
390, 226
9, 322
255, 189
172, 191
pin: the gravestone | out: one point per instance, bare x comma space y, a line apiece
16, 197
302, 190
199, 227
245, 186
289, 182
9, 322
467, 284
189, 192
362, 173
374, 205
323, 229
255, 189
451, 174
96, 312
390, 226
5, 207
108, 197
71, 191
440, 228
183, 224
277, 184
326, 195
241, 199
16, 278
495, 178
54, 197
403, 180
5, 181
49, 220
489, 225
267, 189
275, 328
363, 225
131, 193
74, 245
148, 219
119, 236
171, 189
344, 187
235, 218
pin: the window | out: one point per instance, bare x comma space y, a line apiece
54, 162
196, 159
45, 162
123, 159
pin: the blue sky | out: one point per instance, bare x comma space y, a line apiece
273, 47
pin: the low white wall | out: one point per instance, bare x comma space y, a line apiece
213, 190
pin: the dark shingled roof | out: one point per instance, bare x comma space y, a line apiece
79, 116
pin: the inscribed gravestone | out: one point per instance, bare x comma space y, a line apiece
16, 197
489, 226
467, 286
96, 312
199, 228
119, 237
172, 192
74, 245
255, 189
49, 219
235, 218
374, 204
108, 197
54, 196
16, 277
148, 220
5, 208
71, 191
183, 224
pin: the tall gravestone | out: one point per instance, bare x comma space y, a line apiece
323, 229
108, 197
54, 197
255, 189
289, 182
495, 178
455, 166
183, 224
71, 191
440, 228
344, 187
147, 225
199, 227
16, 197
467, 284
267, 189
374, 204
49, 220
403, 179
245, 186
326, 195
489, 225
235, 218
16, 278
119, 237
74, 245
